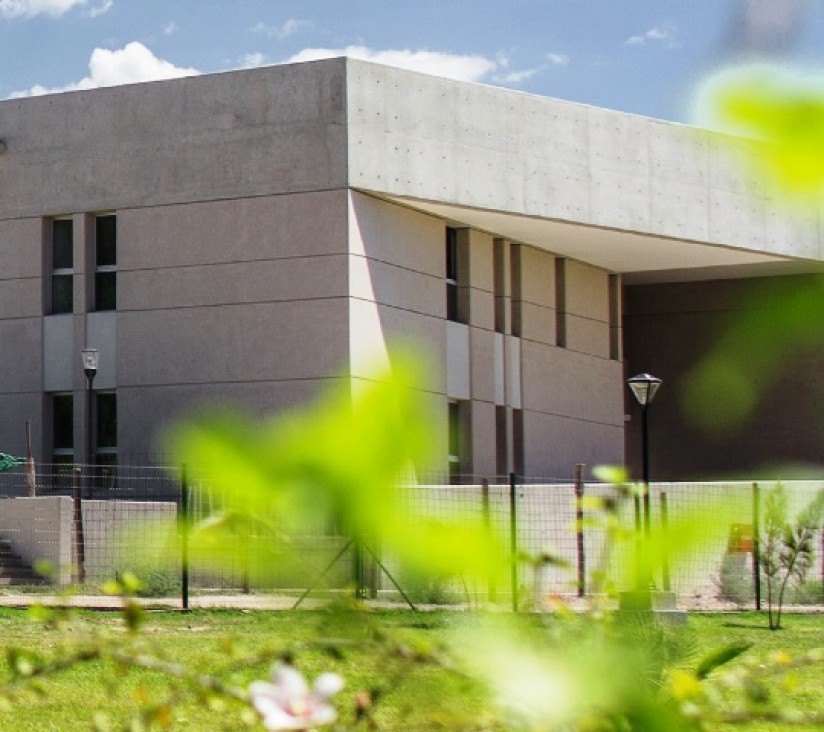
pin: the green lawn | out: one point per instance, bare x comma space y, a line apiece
374, 656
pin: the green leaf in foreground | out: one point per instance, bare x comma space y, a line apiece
719, 657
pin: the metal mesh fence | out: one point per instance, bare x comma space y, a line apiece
91, 523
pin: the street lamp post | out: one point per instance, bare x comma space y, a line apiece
644, 387
90, 369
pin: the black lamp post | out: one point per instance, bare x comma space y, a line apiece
90, 369
644, 387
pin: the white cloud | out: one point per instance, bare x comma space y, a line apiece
516, 77
170, 28
253, 60
284, 30
130, 64
104, 7
559, 59
30, 8
449, 65
653, 35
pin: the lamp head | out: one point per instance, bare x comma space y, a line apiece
89, 356
644, 388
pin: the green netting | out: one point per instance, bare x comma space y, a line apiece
7, 462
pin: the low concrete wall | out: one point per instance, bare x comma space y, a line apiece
42, 529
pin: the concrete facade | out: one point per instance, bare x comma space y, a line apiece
279, 229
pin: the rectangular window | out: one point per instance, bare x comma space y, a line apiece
62, 418
615, 317
62, 266
454, 448
498, 282
501, 442
518, 448
515, 299
106, 443
105, 272
560, 303
452, 274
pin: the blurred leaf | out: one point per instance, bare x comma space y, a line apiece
783, 108
615, 474
719, 657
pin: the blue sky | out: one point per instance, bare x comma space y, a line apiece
640, 56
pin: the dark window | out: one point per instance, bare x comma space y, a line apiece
560, 303
498, 282
501, 442
106, 419
515, 303
518, 447
452, 274
454, 447
105, 274
62, 266
63, 425
615, 317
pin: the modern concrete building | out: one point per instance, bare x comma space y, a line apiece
250, 237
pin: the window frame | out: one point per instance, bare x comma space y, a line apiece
62, 273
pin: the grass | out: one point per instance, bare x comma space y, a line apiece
232, 644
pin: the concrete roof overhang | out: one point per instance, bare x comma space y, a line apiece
639, 257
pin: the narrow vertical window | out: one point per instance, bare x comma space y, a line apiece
560, 303
62, 266
518, 448
106, 444
62, 419
516, 297
451, 274
105, 272
498, 283
615, 317
454, 447
501, 442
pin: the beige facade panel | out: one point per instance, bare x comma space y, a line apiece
553, 444
561, 382
21, 248
587, 291
21, 298
538, 323
233, 343
17, 408
482, 435
274, 280
537, 277
248, 133
396, 235
244, 230
21, 364
591, 337
152, 410
379, 331
400, 287
481, 265
482, 362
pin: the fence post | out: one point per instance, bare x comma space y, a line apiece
756, 544
491, 590
79, 538
579, 528
184, 538
665, 567
513, 541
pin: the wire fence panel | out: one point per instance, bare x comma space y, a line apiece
92, 523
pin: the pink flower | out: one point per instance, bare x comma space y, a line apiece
288, 703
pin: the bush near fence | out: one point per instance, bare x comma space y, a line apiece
719, 572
